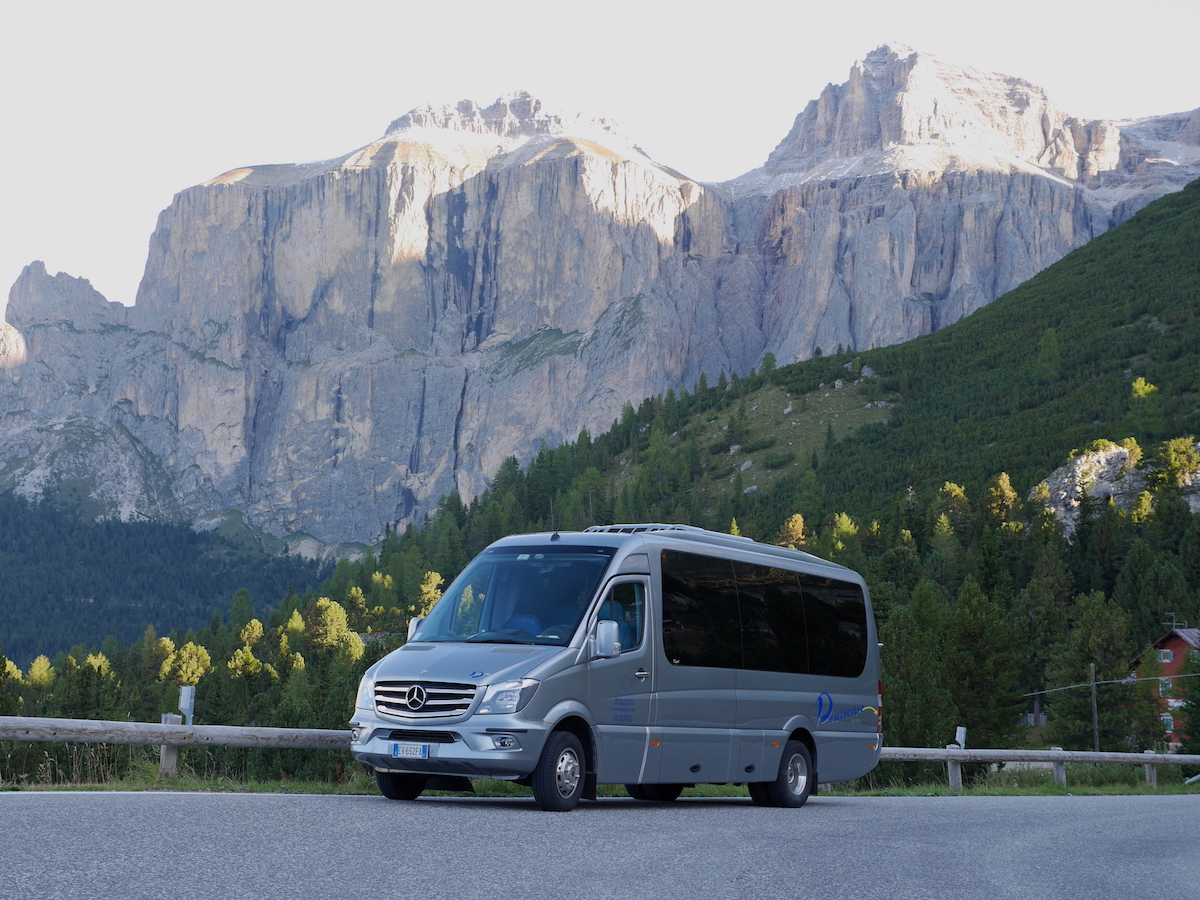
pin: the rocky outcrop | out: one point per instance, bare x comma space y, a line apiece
329, 347
1105, 474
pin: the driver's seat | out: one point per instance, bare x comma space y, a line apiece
524, 622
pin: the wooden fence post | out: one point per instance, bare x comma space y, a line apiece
1060, 770
1151, 771
168, 754
954, 770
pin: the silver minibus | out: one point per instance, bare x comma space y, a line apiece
654, 656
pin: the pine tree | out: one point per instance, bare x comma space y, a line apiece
1040, 618
241, 609
945, 559
792, 534
10, 682
187, 665
1169, 522
1099, 636
1187, 723
1152, 588
86, 691
983, 669
918, 709
429, 593
1189, 554
41, 673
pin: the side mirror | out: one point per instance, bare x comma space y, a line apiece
607, 642
413, 624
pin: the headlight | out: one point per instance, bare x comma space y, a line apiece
508, 696
366, 694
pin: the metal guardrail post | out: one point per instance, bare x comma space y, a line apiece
1151, 771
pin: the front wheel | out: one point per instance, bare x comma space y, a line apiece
400, 785
793, 782
558, 779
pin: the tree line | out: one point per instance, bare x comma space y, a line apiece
982, 604
66, 581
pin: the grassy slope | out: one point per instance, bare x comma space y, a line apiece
1043, 370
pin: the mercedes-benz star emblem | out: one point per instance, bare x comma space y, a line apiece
414, 697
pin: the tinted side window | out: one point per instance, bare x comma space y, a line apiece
700, 611
773, 627
836, 615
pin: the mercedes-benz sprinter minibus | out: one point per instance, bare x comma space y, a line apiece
654, 656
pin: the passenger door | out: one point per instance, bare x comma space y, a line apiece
697, 675
620, 689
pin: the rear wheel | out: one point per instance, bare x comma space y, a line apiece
400, 785
558, 779
793, 782
636, 791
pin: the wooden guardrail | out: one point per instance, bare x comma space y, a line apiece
174, 735
27, 728
170, 735
955, 756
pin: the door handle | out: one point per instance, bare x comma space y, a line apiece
641, 674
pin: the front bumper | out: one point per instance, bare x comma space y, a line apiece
472, 747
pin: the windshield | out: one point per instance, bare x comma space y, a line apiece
518, 595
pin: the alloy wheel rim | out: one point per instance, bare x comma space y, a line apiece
797, 774
566, 773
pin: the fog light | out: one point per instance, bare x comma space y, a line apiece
505, 742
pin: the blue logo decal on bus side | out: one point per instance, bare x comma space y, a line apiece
826, 713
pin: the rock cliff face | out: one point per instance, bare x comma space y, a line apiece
330, 347
919, 191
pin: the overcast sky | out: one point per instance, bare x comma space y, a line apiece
110, 108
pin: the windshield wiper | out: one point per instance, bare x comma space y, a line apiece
491, 637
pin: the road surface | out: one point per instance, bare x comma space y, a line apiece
67, 845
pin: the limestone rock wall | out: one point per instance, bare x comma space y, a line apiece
330, 347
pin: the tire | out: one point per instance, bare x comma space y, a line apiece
636, 791
558, 779
759, 795
662, 793
793, 782
400, 785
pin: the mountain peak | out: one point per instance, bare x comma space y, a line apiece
903, 108
511, 121
512, 116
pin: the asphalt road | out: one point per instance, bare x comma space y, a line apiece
166, 845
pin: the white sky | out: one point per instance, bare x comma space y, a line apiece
110, 108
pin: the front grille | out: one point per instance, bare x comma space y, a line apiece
411, 735
396, 698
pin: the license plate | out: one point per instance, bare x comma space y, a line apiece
410, 751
